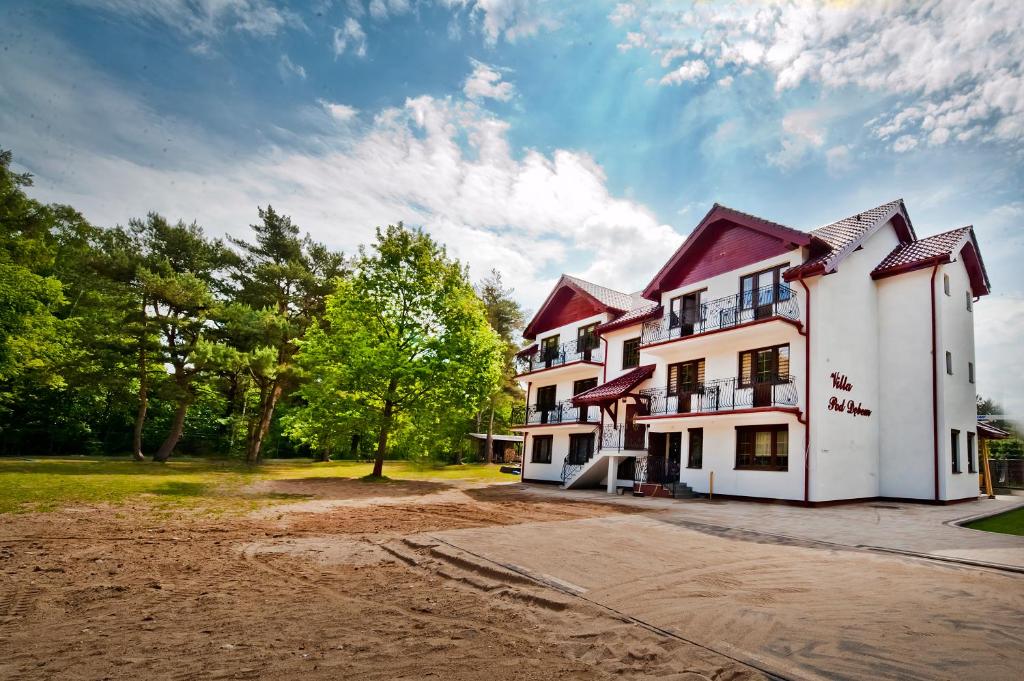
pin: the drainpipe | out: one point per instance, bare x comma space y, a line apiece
935, 387
526, 433
806, 333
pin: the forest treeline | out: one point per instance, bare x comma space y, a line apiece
154, 338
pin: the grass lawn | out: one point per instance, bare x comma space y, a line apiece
1011, 522
45, 484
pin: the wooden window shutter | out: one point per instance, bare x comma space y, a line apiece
746, 368
783, 371
700, 372
673, 378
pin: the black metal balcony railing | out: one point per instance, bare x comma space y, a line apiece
574, 463
624, 437
588, 349
722, 313
560, 412
724, 394
656, 469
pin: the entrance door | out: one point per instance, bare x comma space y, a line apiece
633, 437
672, 462
654, 465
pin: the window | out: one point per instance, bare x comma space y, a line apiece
763, 288
945, 283
970, 302
949, 362
764, 365
685, 377
546, 398
970, 453
549, 349
686, 311
954, 449
763, 448
970, 372
695, 455
583, 384
541, 449
581, 448
586, 338
630, 353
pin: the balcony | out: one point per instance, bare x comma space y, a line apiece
766, 302
624, 437
584, 350
559, 413
723, 395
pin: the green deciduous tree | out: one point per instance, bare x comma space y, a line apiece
403, 336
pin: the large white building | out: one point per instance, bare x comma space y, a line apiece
766, 362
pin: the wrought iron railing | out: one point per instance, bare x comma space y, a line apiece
725, 394
624, 437
722, 313
587, 349
655, 469
571, 467
560, 412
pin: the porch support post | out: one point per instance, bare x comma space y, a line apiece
613, 473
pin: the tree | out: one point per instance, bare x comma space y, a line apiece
177, 278
403, 335
287, 278
506, 318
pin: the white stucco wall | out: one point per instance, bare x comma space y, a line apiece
844, 340
559, 450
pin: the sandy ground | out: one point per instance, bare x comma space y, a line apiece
444, 580
337, 586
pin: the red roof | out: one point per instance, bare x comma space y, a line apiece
937, 249
527, 351
990, 432
616, 388
714, 216
635, 316
833, 242
599, 299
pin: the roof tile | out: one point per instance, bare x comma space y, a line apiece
923, 250
615, 388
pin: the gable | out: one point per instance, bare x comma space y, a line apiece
724, 246
564, 306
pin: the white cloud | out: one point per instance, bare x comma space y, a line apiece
508, 19
446, 164
725, 82
959, 62
691, 70
803, 131
485, 82
382, 9
838, 161
205, 18
287, 68
623, 12
343, 113
350, 37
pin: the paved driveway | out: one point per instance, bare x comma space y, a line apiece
791, 589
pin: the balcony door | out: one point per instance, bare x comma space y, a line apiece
759, 291
546, 404
586, 341
633, 437
761, 370
685, 313
549, 351
685, 380
582, 386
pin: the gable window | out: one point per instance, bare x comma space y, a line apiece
586, 339
541, 449
945, 283
949, 362
970, 453
581, 448
764, 448
954, 449
760, 291
549, 350
695, 453
970, 301
686, 312
630, 353
970, 372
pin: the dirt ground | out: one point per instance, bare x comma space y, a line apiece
335, 586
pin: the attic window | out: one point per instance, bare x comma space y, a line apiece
945, 283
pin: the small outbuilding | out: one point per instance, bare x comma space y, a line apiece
504, 448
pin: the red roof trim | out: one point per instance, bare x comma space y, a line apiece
565, 281
560, 366
527, 351
629, 320
719, 212
616, 388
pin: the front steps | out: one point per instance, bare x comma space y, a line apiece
668, 490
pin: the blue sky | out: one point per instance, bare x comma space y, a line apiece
536, 137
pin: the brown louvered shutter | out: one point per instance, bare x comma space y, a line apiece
746, 368
700, 372
783, 372
673, 378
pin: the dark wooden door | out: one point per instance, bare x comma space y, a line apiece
672, 461
633, 437
654, 464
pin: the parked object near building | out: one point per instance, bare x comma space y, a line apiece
813, 367
504, 448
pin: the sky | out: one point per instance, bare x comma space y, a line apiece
536, 137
